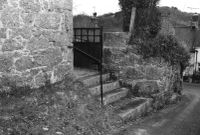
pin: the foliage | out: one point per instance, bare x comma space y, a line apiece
148, 17
111, 22
166, 47
82, 21
176, 16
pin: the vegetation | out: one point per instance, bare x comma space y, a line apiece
65, 108
81, 21
111, 22
165, 47
148, 17
176, 16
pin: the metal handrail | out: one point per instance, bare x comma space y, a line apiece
100, 71
88, 55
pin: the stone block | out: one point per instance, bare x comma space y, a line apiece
48, 21
40, 80
49, 57
11, 45
30, 6
61, 5
25, 32
68, 21
3, 33
28, 18
2, 3
146, 87
14, 80
10, 17
61, 70
6, 63
36, 44
13, 3
24, 63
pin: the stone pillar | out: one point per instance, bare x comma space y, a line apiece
132, 21
34, 40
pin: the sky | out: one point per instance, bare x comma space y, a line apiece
108, 6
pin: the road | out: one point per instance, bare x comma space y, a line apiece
180, 119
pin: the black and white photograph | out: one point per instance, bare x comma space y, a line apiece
99, 67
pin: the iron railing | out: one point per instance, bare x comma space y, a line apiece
100, 69
80, 38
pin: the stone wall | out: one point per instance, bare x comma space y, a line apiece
151, 78
115, 39
34, 40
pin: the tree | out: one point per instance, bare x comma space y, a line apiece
148, 17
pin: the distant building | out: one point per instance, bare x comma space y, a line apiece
188, 35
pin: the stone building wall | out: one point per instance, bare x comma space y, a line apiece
34, 40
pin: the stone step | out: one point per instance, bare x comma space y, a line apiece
106, 88
94, 79
135, 108
114, 95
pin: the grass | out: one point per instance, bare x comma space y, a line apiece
65, 108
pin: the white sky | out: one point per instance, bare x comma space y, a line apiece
107, 6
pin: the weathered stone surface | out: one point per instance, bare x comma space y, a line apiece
5, 63
143, 87
15, 80
3, 32
11, 45
24, 63
2, 3
62, 69
49, 57
13, 3
48, 21
34, 38
10, 17
28, 18
25, 32
30, 5
147, 87
68, 24
61, 5
38, 43
40, 80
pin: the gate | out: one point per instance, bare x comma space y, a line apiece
88, 47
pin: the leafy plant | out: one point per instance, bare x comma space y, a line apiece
148, 17
165, 47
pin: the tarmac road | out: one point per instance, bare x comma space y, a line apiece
180, 119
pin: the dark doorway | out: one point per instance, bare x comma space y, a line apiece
88, 47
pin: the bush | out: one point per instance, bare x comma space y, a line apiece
165, 47
148, 17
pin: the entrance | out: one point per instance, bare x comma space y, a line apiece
88, 47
